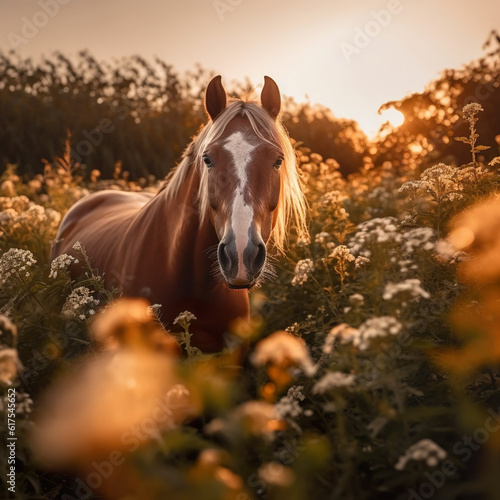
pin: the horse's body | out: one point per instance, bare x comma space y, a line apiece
151, 249
156, 246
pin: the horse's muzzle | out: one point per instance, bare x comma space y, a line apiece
241, 270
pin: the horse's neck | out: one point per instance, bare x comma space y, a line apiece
171, 225
188, 236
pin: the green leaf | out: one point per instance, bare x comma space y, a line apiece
463, 139
481, 148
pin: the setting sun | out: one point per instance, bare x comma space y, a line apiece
370, 123
393, 116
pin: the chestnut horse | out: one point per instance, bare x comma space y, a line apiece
236, 189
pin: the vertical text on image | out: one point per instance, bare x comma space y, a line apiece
11, 439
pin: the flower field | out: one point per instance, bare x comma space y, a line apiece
370, 370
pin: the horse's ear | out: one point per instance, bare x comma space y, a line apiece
215, 97
270, 97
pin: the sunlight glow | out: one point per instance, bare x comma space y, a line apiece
393, 116
370, 124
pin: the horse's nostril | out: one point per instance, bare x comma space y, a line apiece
259, 259
224, 260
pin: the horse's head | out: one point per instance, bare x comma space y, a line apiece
249, 182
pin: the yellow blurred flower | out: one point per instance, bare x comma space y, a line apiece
477, 231
256, 418
478, 325
276, 474
281, 352
127, 322
8, 332
209, 469
114, 397
119, 400
9, 366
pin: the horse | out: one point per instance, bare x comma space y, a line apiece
200, 244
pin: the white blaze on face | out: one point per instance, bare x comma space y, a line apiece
242, 214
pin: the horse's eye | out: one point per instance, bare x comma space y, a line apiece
207, 160
278, 162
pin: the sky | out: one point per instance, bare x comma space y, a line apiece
349, 56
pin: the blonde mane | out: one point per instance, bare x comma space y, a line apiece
292, 206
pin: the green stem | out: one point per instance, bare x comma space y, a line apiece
473, 147
28, 289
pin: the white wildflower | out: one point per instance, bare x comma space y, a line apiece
410, 186
77, 246
303, 240
61, 264
441, 171
293, 328
418, 238
303, 269
14, 262
409, 288
342, 253
332, 198
356, 299
425, 450
7, 216
380, 326
454, 196
471, 110
79, 303
372, 232
5, 202
20, 214
407, 220
445, 250
184, 319
154, 310
8, 188
283, 350
53, 217
322, 238
440, 181
20, 203
332, 380
33, 216
296, 392
361, 262
289, 405
342, 333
